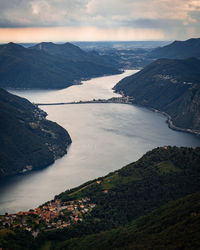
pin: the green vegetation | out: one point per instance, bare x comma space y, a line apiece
160, 176
153, 203
49, 66
46, 246
28, 140
168, 85
166, 167
18, 240
173, 226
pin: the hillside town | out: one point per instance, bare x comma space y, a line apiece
52, 215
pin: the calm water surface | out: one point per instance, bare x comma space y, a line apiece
105, 137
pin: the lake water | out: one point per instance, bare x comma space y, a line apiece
105, 137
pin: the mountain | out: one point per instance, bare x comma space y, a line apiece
162, 175
178, 50
151, 202
28, 140
68, 50
168, 85
48, 65
71, 52
173, 226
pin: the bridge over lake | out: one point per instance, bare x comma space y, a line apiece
121, 100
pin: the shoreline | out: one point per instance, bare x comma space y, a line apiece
172, 126
170, 121
169, 118
30, 169
125, 100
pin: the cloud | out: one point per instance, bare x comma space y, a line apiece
40, 13
162, 15
93, 12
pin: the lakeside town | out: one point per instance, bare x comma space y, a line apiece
50, 216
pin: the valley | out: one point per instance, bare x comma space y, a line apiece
160, 177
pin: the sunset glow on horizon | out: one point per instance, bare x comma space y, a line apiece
59, 34
95, 20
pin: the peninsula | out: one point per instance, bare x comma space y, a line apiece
28, 140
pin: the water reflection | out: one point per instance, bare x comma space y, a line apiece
105, 137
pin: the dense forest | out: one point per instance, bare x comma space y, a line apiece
122, 198
49, 66
28, 139
168, 85
173, 226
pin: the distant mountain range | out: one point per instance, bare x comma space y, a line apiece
28, 140
139, 54
70, 52
168, 85
48, 65
178, 50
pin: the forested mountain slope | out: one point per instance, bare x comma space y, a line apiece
160, 176
178, 49
125, 203
48, 68
169, 85
173, 226
28, 140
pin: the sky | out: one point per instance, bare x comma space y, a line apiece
98, 20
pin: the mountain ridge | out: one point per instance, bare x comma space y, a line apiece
171, 86
178, 50
28, 140
140, 199
57, 67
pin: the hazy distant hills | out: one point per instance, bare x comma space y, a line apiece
48, 65
169, 85
67, 50
28, 140
71, 52
129, 55
178, 49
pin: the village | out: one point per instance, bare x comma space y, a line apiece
52, 215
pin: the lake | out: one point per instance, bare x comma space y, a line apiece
105, 137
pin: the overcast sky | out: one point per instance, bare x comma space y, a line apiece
61, 20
